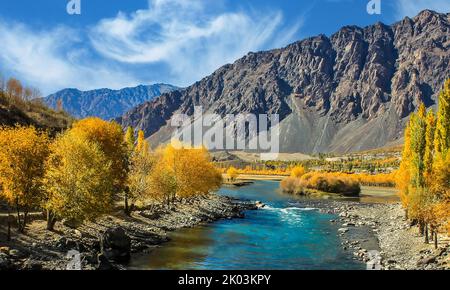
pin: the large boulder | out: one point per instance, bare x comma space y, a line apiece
116, 245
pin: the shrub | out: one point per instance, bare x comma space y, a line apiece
325, 182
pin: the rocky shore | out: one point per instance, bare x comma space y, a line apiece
379, 234
110, 240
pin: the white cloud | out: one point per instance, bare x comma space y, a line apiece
412, 7
54, 59
191, 41
174, 41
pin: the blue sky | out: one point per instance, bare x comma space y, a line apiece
119, 43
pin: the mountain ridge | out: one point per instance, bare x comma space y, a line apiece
351, 91
105, 103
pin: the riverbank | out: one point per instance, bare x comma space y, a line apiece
401, 247
39, 249
261, 177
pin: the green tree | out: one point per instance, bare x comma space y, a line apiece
130, 139
418, 144
442, 135
429, 144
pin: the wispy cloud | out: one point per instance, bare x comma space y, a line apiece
53, 59
412, 7
175, 41
191, 41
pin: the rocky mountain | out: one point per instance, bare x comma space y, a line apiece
105, 103
348, 92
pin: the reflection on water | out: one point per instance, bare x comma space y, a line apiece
284, 235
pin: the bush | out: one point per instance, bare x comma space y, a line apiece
325, 182
292, 185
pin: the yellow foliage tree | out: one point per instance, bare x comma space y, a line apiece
403, 177
163, 183
79, 180
142, 145
418, 145
424, 177
188, 170
429, 145
109, 137
23, 151
139, 176
232, 173
130, 139
298, 171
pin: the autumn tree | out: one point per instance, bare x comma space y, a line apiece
429, 144
163, 183
14, 88
27, 94
403, 177
109, 137
186, 171
142, 145
130, 140
232, 173
418, 131
142, 162
298, 171
23, 151
442, 135
424, 177
417, 191
79, 180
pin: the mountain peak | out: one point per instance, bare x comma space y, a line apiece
105, 103
351, 91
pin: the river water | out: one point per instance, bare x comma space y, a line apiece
285, 235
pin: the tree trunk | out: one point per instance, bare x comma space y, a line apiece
427, 241
127, 208
435, 240
24, 222
8, 235
19, 222
421, 228
51, 220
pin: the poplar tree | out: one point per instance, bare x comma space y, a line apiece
142, 145
429, 144
418, 144
130, 139
442, 135
403, 177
